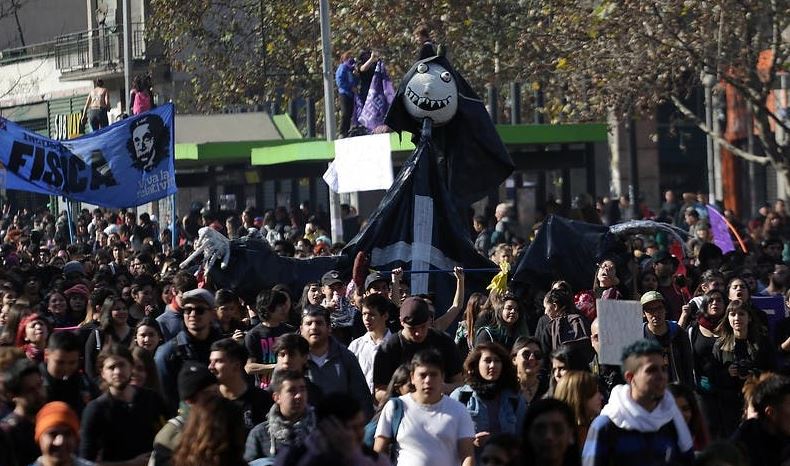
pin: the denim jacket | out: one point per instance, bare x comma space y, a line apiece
512, 409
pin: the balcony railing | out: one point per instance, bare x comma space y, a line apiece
95, 48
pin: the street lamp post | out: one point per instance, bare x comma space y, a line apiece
329, 117
708, 80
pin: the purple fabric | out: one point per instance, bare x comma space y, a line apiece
380, 96
721, 233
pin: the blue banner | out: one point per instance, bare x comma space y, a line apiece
123, 165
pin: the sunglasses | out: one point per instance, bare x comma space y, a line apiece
535, 354
198, 310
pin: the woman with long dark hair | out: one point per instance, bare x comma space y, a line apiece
741, 350
506, 326
491, 392
113, 328
703, 337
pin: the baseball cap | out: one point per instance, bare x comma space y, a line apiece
198, 294
331, 277
192, 378
414, 311
374, 277
651, 296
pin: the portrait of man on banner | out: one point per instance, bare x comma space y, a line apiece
149, 141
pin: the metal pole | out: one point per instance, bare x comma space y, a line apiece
633, 187
515, 103
707, 82
310, 116
70, 221
127, 55
173, 223
329, 114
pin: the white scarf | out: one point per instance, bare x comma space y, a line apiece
627, 414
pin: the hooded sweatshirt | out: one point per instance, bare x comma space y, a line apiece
626, 433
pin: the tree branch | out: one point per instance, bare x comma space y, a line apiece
716, 136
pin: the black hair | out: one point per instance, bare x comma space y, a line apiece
148, 321
638, 349
377, 302
540, 407
562, 299
64, 341
225, 296
288, 247
282, 375
113, 350
267, 301
292, 343
314, 310
233, 349
428, 357
641, 348
184, 281
13, 377
341, 406
770, 392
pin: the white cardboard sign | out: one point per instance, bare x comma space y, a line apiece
619, 325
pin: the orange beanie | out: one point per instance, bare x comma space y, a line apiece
53, 414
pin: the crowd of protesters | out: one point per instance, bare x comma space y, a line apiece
113, 355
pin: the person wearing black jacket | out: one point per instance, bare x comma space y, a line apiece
766, 439
226, 362
191, 344
60, 371
121, 424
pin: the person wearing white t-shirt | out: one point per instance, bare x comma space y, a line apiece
434, 430
374, 317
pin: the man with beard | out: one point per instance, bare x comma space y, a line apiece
25, 387
193, 343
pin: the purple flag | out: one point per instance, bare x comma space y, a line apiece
721, 233
380, 96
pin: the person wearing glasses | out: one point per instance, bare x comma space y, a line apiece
193, 343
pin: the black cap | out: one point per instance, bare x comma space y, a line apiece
192, 378
414, 311
374, 277
330, 278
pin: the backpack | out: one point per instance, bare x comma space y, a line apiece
397, 417
580, 344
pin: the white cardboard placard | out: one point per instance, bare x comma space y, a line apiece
619, 325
